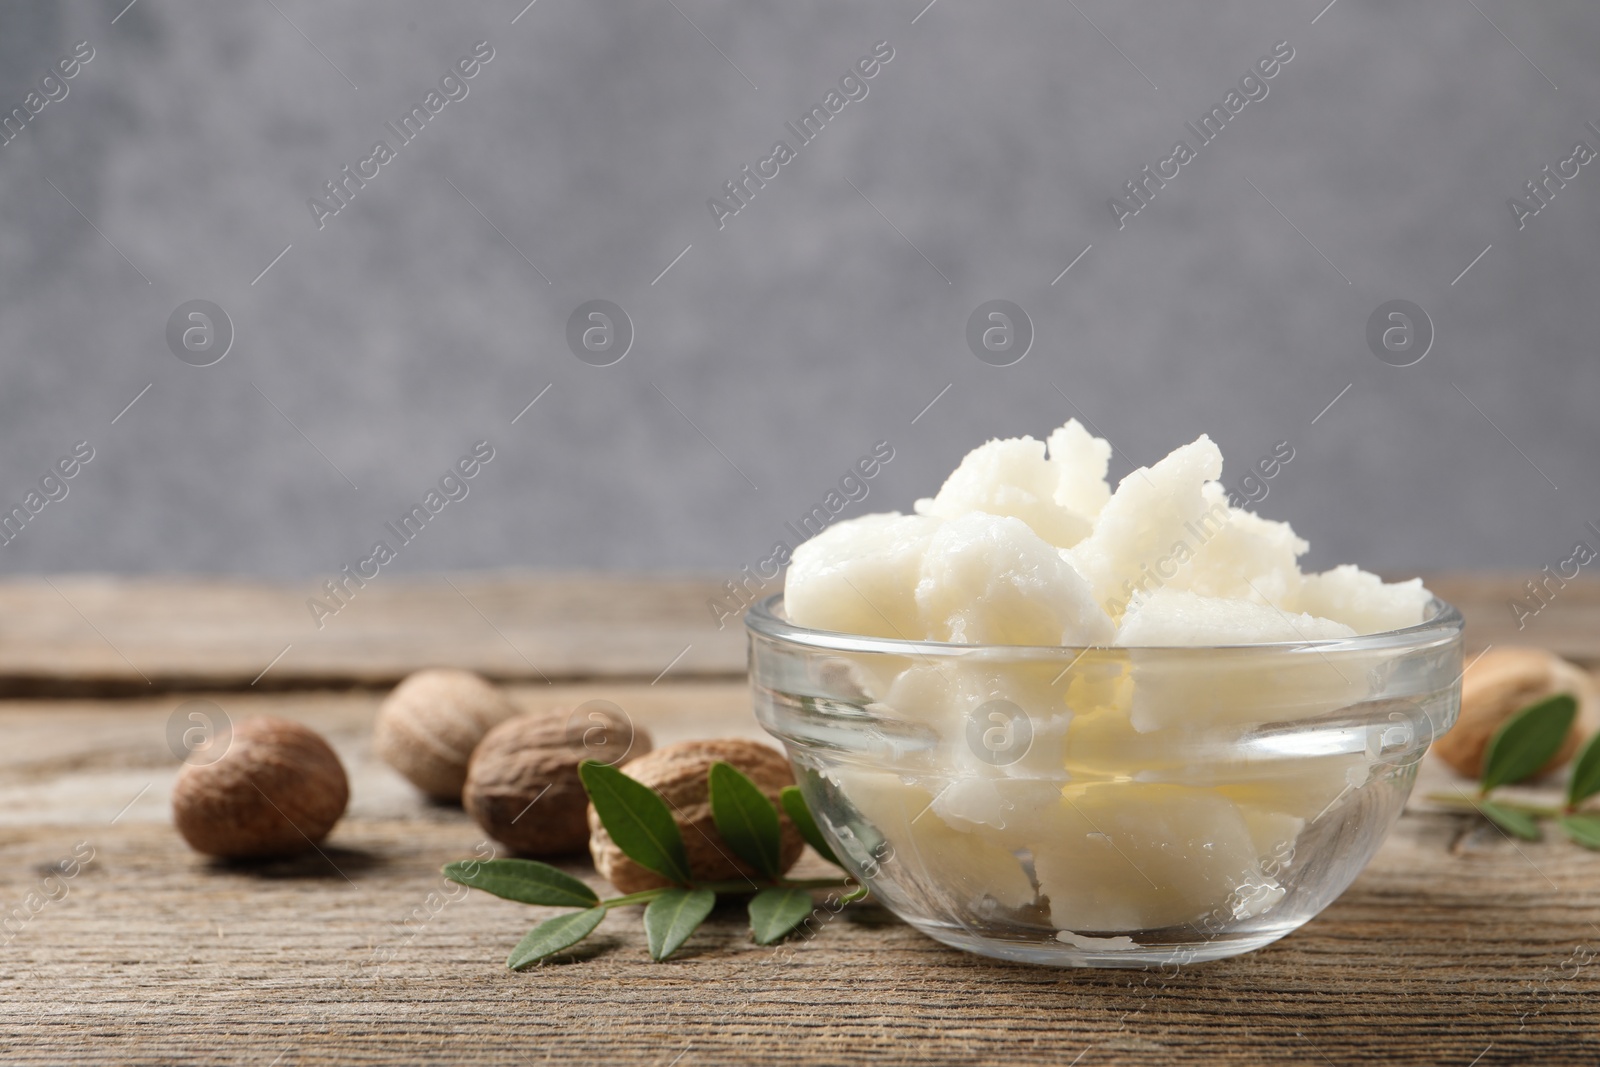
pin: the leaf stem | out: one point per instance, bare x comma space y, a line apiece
1456, 800
645, 896
743, 887
817, 883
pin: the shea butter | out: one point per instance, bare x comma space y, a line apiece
1095, 741
1026, 543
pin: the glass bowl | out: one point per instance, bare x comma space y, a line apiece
1105, 807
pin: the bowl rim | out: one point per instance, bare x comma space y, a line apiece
1444, 624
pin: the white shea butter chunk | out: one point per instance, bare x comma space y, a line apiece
1126, 856
1057, 495
989, 579
1001, 808
1237, 554
860, 576
1228, 689
1154, 509
1178, 617
1081, 458
955, 868
990, 719
1362, 600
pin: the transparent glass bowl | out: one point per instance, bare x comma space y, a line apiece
1105, 807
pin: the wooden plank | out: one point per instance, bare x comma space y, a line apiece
82, 762
155, 956
104, 636
1565, 618
1454, 944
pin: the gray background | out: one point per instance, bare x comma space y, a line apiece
808, 328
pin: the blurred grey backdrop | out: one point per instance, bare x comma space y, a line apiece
768, 355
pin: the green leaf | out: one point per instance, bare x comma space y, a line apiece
673, 916
1584, 829
858, 893
1514, 822
527, 881
794, 804
1585, 781
637, 819
774, 913
746, 819
1526, 741
553, 935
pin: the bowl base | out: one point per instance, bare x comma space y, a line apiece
1126, 951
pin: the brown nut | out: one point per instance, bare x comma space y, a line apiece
678, 772
276, 791
523, 786
1502, 682
427, 728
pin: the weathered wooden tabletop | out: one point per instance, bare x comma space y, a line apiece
1456, 946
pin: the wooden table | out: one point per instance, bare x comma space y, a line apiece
1455, 946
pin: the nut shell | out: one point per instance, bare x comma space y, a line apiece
678, 772
277, 791
1503, 681
428, 726
523, 787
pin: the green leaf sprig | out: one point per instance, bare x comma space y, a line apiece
641, 824
1519, 748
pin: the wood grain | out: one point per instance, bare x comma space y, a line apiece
156, 956
102, 636
1566, 622
1455, 946
82, 762
1452, 941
